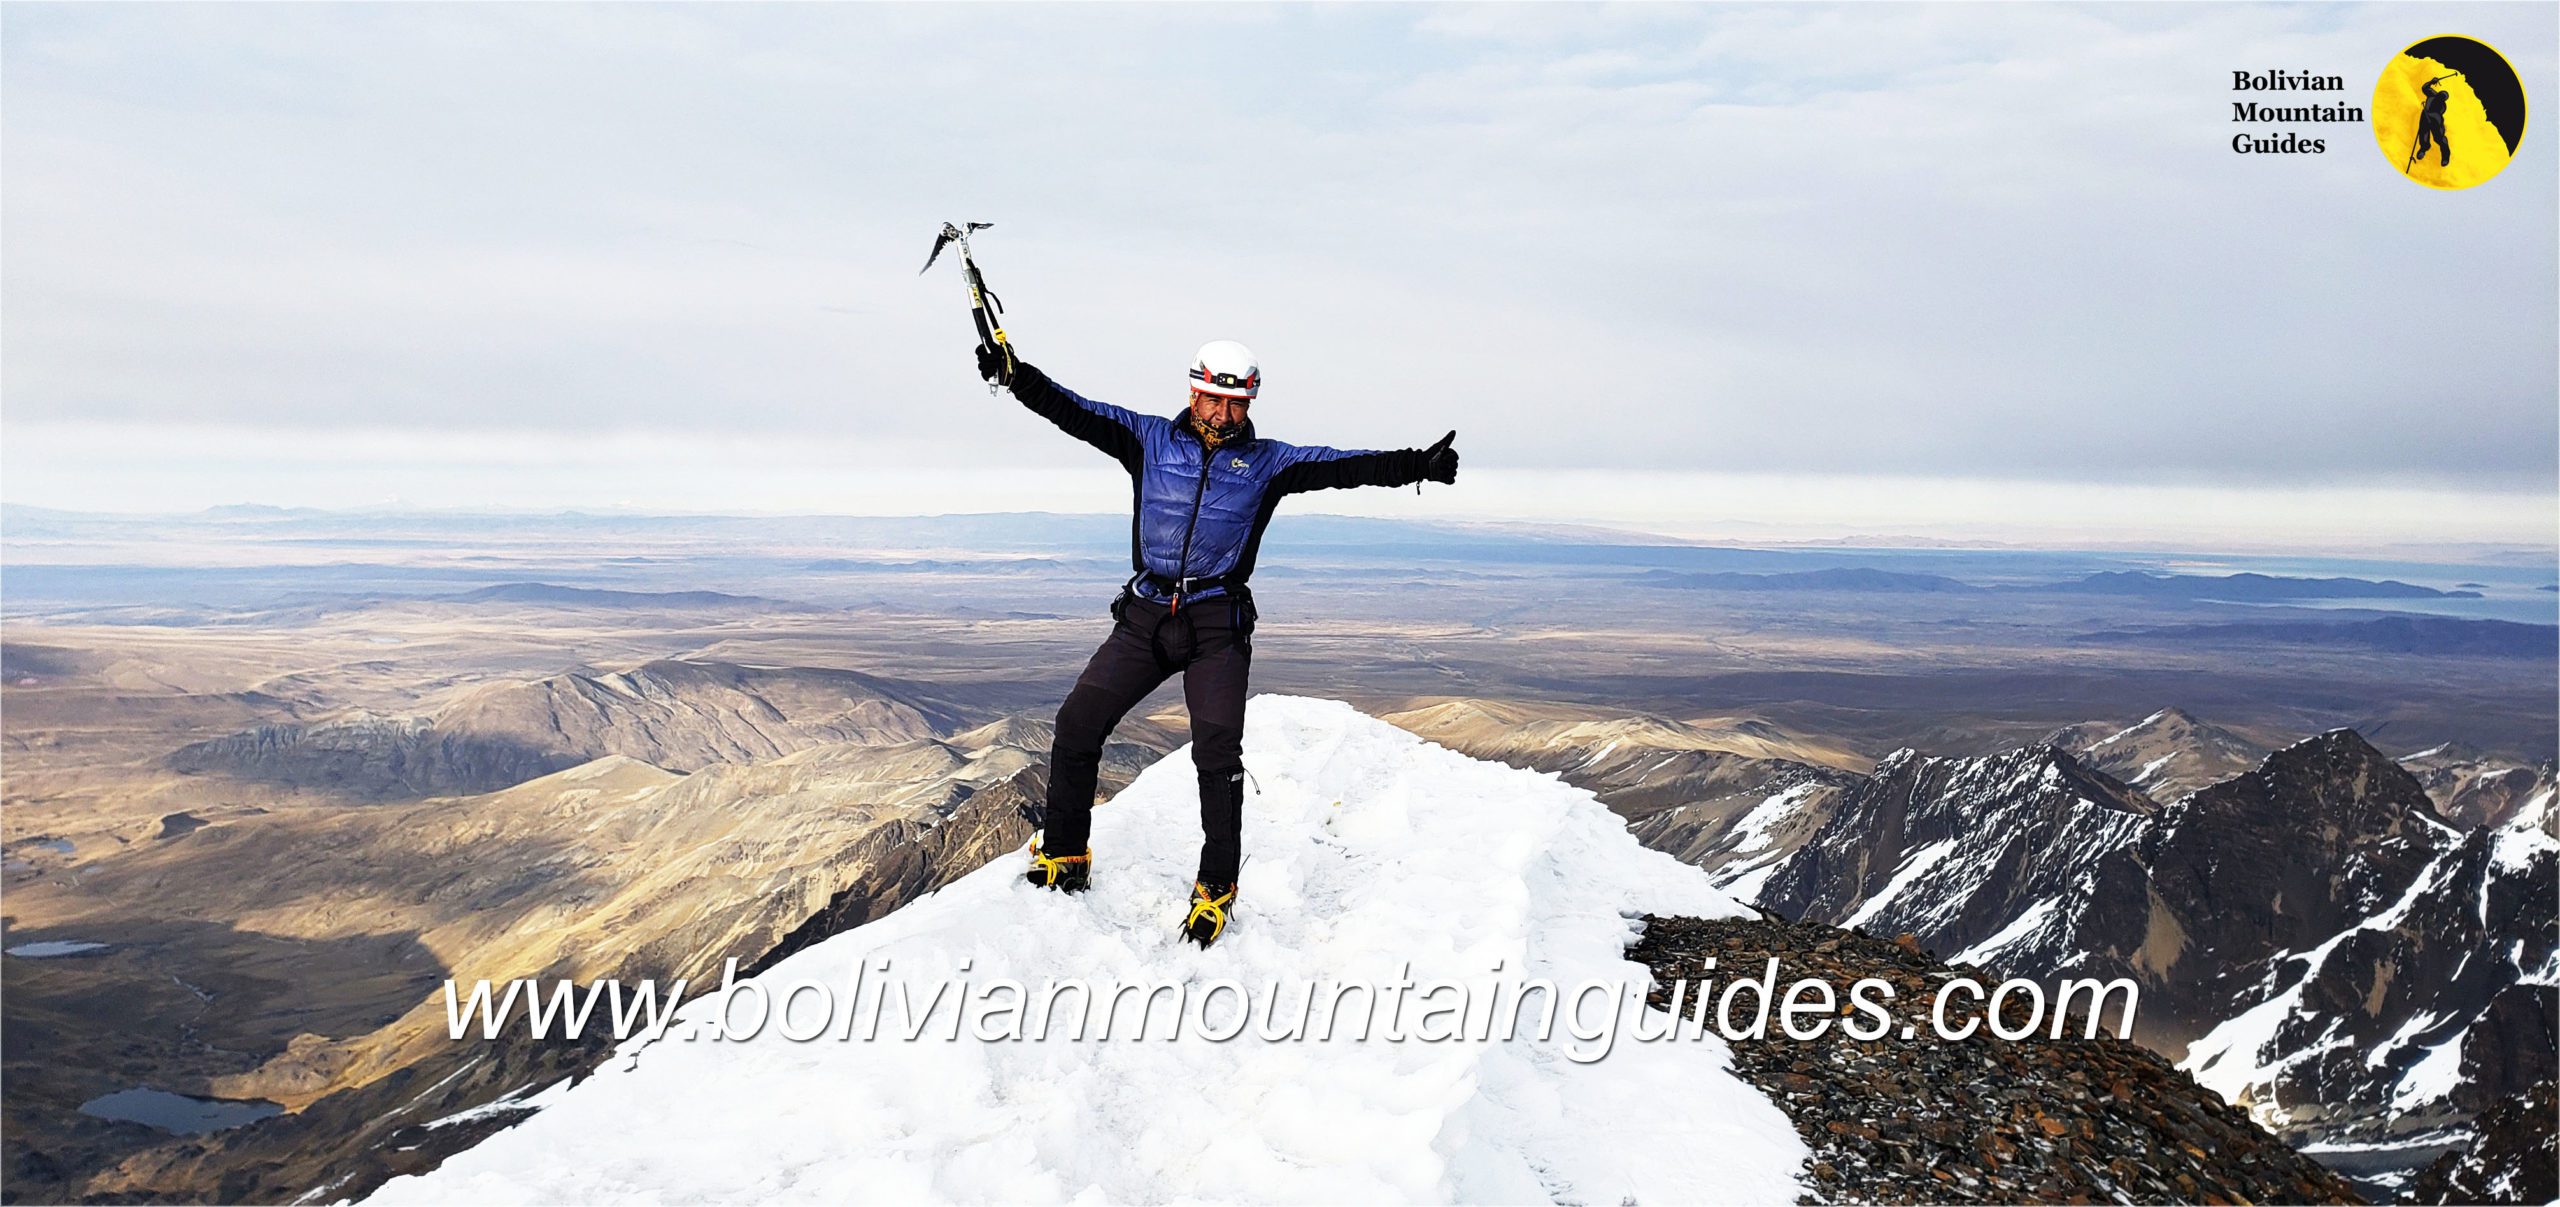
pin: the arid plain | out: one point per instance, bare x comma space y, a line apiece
273, 776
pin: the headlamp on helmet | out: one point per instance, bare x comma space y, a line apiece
1227, 369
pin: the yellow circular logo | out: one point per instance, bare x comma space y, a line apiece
2448, 112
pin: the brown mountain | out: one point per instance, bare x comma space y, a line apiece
2473, 789
1734, 795
2167, 754
321, 988
676, 714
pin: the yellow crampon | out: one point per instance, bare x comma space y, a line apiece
1050, 870
1210, 908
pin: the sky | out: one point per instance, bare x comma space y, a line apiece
1956, 272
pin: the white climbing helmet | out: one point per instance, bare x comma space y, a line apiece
1227, 369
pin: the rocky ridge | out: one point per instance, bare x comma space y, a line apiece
2511, 1163
2371, 962
1981, 1119
2309, 937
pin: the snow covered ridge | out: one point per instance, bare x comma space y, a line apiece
1371, 851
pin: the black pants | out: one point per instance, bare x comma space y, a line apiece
2431, 131
1210, 642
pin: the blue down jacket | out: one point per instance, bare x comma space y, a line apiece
1197, 513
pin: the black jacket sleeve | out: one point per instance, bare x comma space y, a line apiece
1395, 467
1099, 424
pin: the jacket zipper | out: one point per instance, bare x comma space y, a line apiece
1182, 567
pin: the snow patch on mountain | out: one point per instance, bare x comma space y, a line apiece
1752, 833
2517, 844
1373, 852
2026, 924
2436, 1075
1917, 865
2242, 1060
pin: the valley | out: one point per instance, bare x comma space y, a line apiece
265, 790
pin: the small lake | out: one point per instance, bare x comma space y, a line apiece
50, 948
184, 1114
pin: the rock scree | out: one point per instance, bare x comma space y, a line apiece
1976, 1120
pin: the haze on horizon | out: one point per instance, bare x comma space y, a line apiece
1969, 272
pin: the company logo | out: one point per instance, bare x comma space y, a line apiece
1237, 463
2448, 112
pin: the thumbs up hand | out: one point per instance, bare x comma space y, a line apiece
1440, 461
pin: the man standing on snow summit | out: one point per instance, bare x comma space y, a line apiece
1205, 486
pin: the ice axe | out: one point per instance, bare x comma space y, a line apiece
985, 308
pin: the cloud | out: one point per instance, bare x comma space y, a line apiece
172, 468
1980, 242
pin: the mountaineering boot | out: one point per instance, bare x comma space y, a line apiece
1210, 905
1065, 873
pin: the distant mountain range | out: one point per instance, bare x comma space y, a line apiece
2387, 634
1847, 578
1014, 565
2229, 588
676, 714
2245, 587
590, 597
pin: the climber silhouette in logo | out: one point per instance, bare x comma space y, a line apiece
2436, 89
2431, 124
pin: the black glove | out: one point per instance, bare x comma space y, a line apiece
1440, 462
996, 364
